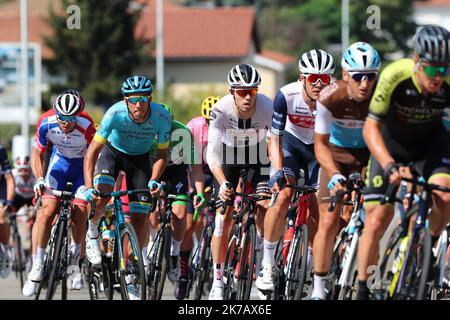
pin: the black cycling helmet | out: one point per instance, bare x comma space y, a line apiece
432, 43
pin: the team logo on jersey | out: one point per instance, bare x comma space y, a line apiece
303, 121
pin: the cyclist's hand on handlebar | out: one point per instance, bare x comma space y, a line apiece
225, 191
155, 188
277, 181
199, 201
39, 187
336, 184
91, 194
392, 173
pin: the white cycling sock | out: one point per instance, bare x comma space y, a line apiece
152, 233
175, 249
93, 229
75, 249
218, 274
309, 259
259, 241
319, 287
34, 257
144, 256
269, 253
40, 253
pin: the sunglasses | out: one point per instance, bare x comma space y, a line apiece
315, 78
66, 118
23, 170
432, 71
359, 76
137, 99
244, 92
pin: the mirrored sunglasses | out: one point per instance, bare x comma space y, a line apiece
359, 76
137, 99
66, 118
432, 71
244, 92
315, 78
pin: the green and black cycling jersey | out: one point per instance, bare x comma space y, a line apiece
410, 117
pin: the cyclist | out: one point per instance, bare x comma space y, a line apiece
24, 180
199, 129
340, 147
6, 205
70, 136
236, 140
405, 125
293, 130
123, 142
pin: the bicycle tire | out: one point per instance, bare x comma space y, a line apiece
247, 262
159, 264
389, 256
348, 291
127, 228
18, 258
421, 248
45, 273
203, 268
107, 278
335, 270
279, 276
56, 262
230, 265
296, 266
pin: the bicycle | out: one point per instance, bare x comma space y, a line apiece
57, 253
407, 278
240, 257
159, 254
344, 267
441, 287
125, 267
202, 257
290, 274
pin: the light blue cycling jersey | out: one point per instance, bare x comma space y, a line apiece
130, 137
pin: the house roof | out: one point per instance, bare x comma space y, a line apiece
191, 32
431, 3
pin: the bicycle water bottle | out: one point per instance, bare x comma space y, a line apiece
110, 247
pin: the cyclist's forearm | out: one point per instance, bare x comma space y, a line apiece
276, 152
375, 143
219, 175
10, 186
324, 155
160, 164
198, 177
37, 163
89, 163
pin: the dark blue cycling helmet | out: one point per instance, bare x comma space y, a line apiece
137, 85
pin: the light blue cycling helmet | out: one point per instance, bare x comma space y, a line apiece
361, 56
137, 85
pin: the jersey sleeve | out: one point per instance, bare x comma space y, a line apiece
214, 151
390, 77
4, 162
279, 114
89, 133
105, 127
164, 133
41, 140
323, 119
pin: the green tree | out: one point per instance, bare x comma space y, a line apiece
97, 57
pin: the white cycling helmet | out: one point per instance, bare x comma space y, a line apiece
244, 75
22, 162
361, 56
316, 62
67, 104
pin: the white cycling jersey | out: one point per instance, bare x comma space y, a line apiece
227, 128
24, 188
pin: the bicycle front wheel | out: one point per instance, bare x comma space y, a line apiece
159, 264
18, 258
57, 262
131, 266
203, 267
412, 285
296, 264
246, 264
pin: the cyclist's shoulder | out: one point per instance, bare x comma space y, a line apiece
332, 94
290, 90
198, 121
396, 72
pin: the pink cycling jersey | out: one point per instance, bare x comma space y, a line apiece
199, 129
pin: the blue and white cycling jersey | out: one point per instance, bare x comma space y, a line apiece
130, 137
